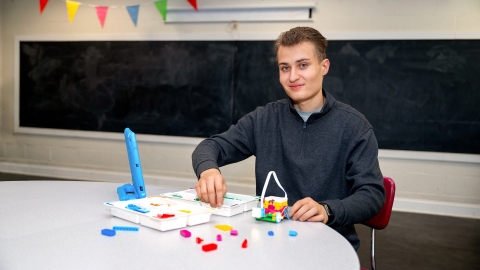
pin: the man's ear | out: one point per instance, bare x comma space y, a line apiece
326, 66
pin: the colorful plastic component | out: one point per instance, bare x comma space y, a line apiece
209, 247
125, 228
108, 232
286, 212
272, 208
273, 211
137, 190
245, 243
185, 233
165, 215
234, 232
292, 233
137, 208
224, 227
219, 237
199, 240
126, 192
270, 233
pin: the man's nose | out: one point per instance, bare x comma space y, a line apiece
293, 75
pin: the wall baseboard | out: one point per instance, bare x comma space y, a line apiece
464, 210
453, 209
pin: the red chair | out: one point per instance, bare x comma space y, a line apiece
380, 221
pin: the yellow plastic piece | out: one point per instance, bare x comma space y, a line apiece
224, 227
186, 211
278, 202
274, 205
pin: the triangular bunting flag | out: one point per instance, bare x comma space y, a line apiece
72, 8
133, 11
43, 3
162, 8
194, 4
102, 14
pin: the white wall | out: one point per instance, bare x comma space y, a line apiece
443, 187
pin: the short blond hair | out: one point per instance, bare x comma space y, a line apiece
301, 34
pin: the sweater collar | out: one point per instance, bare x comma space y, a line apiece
329, 104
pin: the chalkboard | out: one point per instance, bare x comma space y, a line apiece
418, 94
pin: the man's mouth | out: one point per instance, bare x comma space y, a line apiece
295, 86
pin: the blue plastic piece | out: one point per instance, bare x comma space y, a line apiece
137, 208
125, 228
292, 233
287, 212
126, 192
270, 233
137, 190
108, 232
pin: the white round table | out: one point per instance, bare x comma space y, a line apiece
57, 224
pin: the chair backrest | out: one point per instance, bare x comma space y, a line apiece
380, 221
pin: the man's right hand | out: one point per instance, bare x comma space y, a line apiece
211, 187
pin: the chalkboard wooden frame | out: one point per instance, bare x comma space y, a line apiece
224, 37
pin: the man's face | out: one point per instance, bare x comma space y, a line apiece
301, 74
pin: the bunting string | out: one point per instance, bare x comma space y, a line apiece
114, 6
102, 10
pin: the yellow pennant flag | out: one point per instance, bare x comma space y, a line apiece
72, 8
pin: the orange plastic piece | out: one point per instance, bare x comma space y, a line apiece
244, 244
209, 247
199, 240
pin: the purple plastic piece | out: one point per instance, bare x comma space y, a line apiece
233, 232
185, 233
219, 237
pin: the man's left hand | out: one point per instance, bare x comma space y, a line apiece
308, 210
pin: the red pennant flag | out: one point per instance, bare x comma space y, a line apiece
102, 14
43, 3
193, 3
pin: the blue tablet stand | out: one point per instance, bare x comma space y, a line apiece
137, 190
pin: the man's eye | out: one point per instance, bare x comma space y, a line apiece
303, 65
284, 68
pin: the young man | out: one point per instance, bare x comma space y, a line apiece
324, 152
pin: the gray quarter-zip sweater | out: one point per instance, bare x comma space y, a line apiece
331, 158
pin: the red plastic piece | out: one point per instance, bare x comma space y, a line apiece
199, 240
209, 247
185, 233
244, 244
165, 215
219, 237
233, 232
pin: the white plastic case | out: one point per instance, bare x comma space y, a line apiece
185, 214
233, 204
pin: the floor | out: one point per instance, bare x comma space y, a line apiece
417, 241
411, 241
